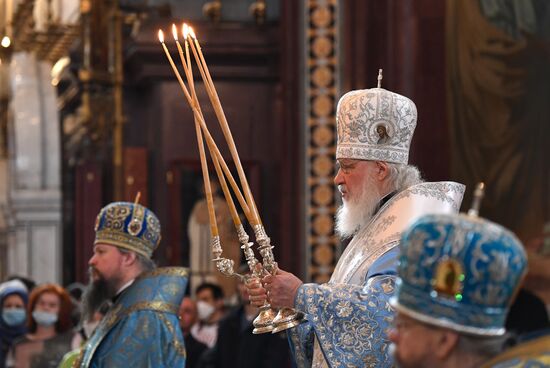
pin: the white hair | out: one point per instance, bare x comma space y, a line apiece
402, 176
480, 346
146, 264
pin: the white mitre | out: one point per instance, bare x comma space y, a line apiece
375, 124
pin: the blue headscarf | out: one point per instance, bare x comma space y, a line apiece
9, 333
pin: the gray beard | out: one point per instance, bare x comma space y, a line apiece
356, 213
95, 295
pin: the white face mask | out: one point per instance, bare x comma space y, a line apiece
45, 319
204, 310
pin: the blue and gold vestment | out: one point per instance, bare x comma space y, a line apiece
349, 316
533, 353
141, 329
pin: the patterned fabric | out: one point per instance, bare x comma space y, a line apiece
350, 323
141, 329
375, 124
531, 354
128, 225
459, 272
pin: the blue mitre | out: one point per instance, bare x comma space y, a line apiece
130, 226
459, 272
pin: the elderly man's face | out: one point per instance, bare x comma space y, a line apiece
413, 343
352, 176
360, 186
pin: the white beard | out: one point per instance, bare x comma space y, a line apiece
357, 212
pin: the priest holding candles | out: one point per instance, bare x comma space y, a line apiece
347, 318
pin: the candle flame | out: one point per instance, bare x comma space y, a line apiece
192, 33
174, 32
161, 36
185, 30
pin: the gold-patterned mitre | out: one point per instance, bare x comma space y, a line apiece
130, 226
375, 124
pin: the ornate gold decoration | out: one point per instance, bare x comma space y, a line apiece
213, 10
167, 271
449, 277
324, 255
323, 194
323, 166
135, 225
321, 41
258, 10
322, 76
51, 44
178, 346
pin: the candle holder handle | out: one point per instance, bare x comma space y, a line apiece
224, 265
263, 323
286, 317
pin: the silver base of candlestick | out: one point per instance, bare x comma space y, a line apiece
287, 318
263, 323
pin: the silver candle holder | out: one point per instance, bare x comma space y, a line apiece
286, 317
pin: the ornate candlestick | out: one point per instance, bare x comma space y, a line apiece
286, 317
267, 320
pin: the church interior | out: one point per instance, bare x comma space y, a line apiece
91, 112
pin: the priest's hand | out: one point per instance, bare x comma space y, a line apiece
256, 292
281, 288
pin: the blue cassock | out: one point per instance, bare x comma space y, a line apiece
141, 329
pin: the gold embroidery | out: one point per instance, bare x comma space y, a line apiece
152, 233
448, 278
124, 240
115, 217
167, 271
135, 225
154, 306
180, 348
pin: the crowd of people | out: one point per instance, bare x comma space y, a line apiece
419, 284
44, 326
37, 324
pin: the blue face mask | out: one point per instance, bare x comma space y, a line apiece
45, 319
14, 316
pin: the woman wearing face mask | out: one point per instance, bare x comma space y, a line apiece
50, 329
13, 317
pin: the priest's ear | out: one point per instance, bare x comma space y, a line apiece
446, 343
129, 258
382, 170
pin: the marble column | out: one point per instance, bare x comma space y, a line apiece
34, 204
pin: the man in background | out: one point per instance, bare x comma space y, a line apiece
188, 317
238, 347
210, 308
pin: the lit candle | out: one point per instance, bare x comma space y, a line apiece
214, 152
214, 99
185, 31
202, 153
174, 68
200, 119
